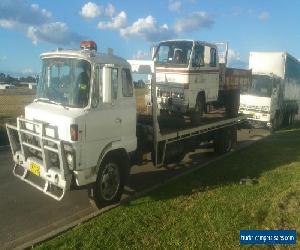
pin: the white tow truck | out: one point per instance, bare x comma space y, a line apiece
274, 96
83, 130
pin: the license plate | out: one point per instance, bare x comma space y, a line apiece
34, 168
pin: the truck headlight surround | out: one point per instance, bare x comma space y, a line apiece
70, 156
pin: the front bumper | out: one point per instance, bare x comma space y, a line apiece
173, 104
32, 153
255, 118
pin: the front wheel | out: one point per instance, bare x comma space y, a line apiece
109, 185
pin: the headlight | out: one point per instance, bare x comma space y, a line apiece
70, 160
53, 158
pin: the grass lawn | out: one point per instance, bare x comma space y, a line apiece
206, 210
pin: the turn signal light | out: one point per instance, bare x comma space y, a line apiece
74, 132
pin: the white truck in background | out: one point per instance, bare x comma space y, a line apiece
83, 129
274, 97
192, 78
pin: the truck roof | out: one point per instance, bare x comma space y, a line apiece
88, 55
189, 40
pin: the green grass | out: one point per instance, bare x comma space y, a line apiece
205, 210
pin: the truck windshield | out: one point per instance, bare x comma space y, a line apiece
65, 81
261, 86
174, 53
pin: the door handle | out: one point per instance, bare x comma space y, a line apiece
118, 120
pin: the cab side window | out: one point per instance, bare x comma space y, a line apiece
198, 58
127, 88
114, 83
210, 56
97, 88
213, 57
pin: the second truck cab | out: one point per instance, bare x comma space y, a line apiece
187, 76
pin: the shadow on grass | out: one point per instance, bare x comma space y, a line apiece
280, 149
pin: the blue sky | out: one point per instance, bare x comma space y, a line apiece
28, 28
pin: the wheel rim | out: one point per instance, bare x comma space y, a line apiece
110, 181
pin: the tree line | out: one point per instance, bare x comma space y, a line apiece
8, 79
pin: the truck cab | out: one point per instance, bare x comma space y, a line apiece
187, 76
274, 96
84, 111
264, 102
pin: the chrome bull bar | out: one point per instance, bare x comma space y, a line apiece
32, 150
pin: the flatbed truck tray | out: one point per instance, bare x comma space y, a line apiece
165, 137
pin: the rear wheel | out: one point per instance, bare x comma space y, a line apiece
224, 140
232, 104
110, 182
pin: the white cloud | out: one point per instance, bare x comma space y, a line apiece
19, 12
193, 22
37, 23
110, 10
116, 22
147, 28
56, 32
7, 24
140, 55
174, 5
44, 12
90, 10
264, 15
233, 55
234, 59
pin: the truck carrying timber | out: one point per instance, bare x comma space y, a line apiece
274, 97
192, 77
83, 130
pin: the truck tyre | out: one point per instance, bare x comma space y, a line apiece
232, 104
110, 182
223, 140
197, 113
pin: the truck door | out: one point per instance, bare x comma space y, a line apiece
128, 110
103, 122
211, 73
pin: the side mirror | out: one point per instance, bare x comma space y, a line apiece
106, 80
